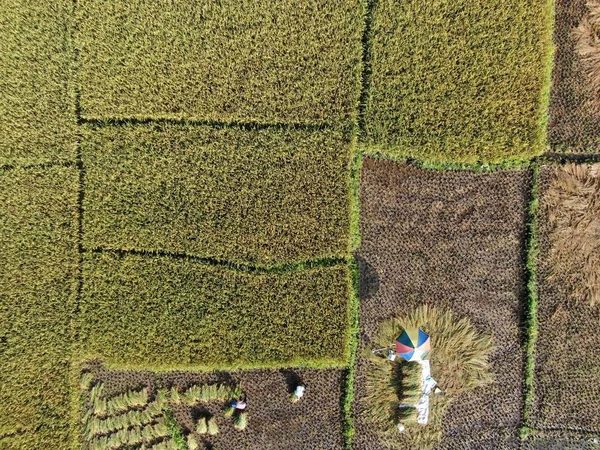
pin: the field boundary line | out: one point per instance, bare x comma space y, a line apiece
530, 312
581, 158
40, 166
479, 167
367, 69
575, 432
247, 126
242, 267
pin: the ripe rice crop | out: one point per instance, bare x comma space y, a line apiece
264, 196
276, 61
159, 312
459, 80
38, 257
36, 108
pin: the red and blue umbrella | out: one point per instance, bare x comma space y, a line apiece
413, 344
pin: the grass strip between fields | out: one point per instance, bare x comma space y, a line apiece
350, 372
531, 318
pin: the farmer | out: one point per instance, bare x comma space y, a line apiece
298, 393
239, 404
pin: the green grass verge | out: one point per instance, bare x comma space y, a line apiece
229, 61
264, 196
351, 368
38, 283
38, 116
458, 80
163, 313
533, 252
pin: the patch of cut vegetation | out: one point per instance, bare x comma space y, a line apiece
144, 417
38, 257
38, 116
566, 370
470, 229
199, 406
459, 363
587, 45
264, 196
441, 91
573, 208
230, 61
574, 102
159, 312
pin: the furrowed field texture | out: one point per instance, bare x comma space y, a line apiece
36, 110
458, 80
566, 382
263, 196
159, 312
274, 61
38, 238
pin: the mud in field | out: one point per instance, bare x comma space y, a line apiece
274, 422
574, 111
567, 368
453, 240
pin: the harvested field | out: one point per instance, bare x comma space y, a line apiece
38, 279
264, 196
228, 61
561, 443
574, 106
164, 313
490, 439
566, 368
36, 109
315, 422
453, 240
440, 92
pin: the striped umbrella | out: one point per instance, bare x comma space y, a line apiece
413, 344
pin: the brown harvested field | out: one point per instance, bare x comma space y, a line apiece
499, 439
560, 443
274, 422
567, 368
453, 239
574, 120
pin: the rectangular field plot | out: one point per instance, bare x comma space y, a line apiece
452, 240
158, 312
37, 116
459, 80
275, 61
274, 422
38, 280
574, 104
263, 196
567, 368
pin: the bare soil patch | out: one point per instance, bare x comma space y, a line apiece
274, 422
574, 108
567, 369
455, 240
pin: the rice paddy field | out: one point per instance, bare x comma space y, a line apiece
207, 205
